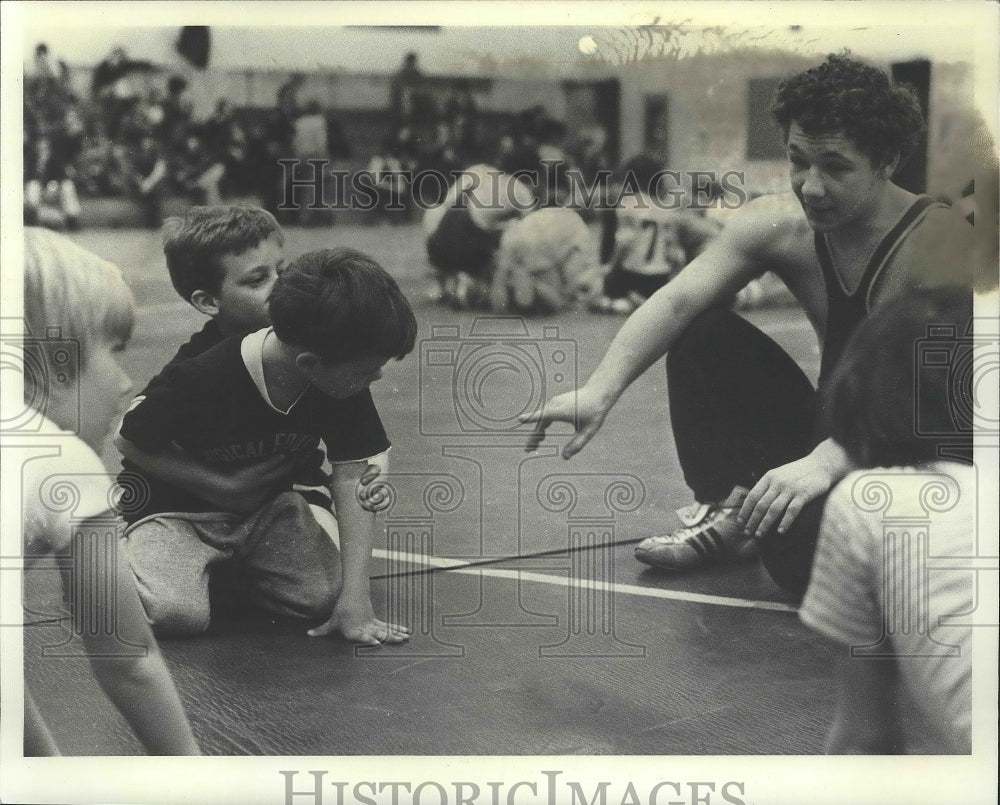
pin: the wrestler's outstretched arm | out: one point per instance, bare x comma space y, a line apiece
727, 264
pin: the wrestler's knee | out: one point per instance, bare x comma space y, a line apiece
709, 331
177, 616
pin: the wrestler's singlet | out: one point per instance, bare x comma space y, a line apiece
846, 310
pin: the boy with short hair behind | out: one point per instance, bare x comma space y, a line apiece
224, 260
338, 318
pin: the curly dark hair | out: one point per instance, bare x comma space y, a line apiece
844, 96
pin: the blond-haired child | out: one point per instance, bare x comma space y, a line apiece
77, 393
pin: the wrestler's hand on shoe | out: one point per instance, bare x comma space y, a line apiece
778, 497
583, 409
359, 625
373, 497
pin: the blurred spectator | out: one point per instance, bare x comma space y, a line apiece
462, 114
541, 261
405, 82
177, 109
461, 104
53, 135
226, 141
441, 157
391, 183
155, 113
140, 140
219, 127
636, 174
310, 141
45, 96
237, 160
50, 197
274, 139
63, 75
94, 164
41, 68
652, 245
288, 96
197, 172
519, 150
279, 137
338, 146
109, 71
194, 44
589, 151
74, 128
261, 173
147, 178
406, 148
553, 184
112, 88
134, 122
464, 232
507, 156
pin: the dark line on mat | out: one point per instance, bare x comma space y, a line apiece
423, 571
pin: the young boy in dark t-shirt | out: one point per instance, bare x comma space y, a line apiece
338, 317
224, 261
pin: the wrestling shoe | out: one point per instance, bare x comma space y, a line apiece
711, 535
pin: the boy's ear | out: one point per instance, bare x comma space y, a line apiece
889, 168
307, 361
206, 303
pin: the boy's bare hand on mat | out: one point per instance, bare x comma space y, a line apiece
361, 627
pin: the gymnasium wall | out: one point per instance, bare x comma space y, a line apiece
707, 108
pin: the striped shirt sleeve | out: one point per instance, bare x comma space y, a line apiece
842, 602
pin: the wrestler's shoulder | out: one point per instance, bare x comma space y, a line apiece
944, 221
771, 222
941, 233
940, 249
